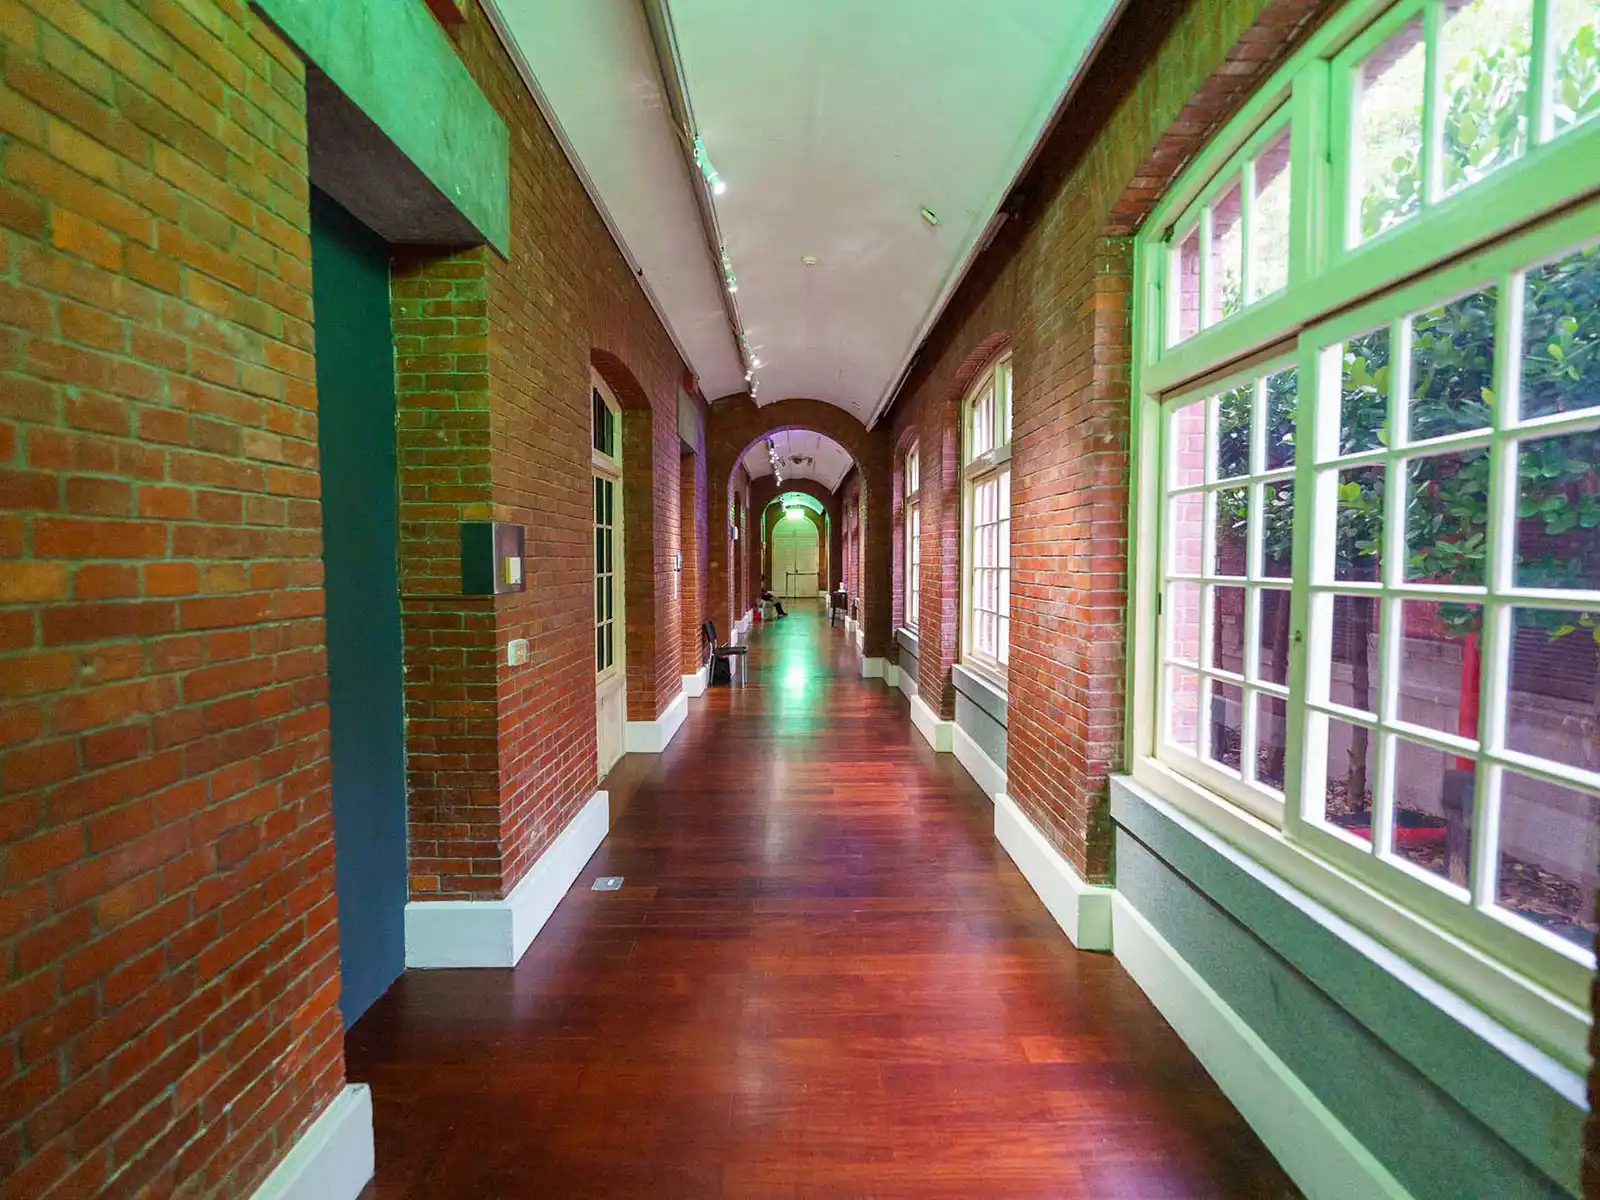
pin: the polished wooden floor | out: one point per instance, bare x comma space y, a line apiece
822, 977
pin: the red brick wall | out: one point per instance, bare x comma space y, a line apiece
1054, 286
565, 301
439, 308
168, 1014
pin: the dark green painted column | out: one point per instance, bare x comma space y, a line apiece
356, 419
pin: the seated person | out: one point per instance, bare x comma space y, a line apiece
766, 595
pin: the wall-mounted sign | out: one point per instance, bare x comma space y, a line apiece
491, 558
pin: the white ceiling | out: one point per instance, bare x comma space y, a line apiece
833, 123
829, 464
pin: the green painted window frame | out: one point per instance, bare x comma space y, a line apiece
1544, 203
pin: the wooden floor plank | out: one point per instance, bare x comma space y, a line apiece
822, 977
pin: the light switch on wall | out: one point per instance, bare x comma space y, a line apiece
517, 652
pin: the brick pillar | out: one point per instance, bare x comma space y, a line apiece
440, 309
1069, 541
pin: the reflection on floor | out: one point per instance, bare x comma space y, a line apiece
821, 977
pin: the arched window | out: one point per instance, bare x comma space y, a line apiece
1367, 508
986, 520
911, 510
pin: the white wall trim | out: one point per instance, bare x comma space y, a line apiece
872, 668
937, 732
1083, 910
891, 674
1314, 1147
695, 685
742, 625
861, 639
333, 1158
652, 737
495, 933
983, 769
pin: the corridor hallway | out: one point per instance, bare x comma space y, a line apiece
822, 977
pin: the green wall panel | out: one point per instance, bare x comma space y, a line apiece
1335, 1018
394, 63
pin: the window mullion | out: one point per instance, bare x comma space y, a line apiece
1305, 760
1541, 117
1392, 571
1313, 117
1494, 684
1432, 104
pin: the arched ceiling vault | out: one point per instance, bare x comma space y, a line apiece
827, 128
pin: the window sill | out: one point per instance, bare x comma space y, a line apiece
986, 675
981, 689
1548, 1033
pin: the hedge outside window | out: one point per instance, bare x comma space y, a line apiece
986, 519
1370, 453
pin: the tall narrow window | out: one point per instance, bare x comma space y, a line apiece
607, 481
610, 624
912, 510
986, 520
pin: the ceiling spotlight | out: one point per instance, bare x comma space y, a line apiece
755, 362
732, 286
810, 260
931, 217
718, 187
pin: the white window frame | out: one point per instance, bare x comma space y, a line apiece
1523, 212
989, 466
911, 518
607, 468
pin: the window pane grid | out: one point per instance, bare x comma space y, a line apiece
1454, 515
1227, 549
991, 574
1443, 95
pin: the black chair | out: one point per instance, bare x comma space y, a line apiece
837, 603
716, 654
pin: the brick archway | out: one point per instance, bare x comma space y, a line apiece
649, 538
764, 490
736, 423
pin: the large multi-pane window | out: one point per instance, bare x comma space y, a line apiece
1368, 520
912, 511
986, 519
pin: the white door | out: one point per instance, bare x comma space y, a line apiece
795, 569
610, 682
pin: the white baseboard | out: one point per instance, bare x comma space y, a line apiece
861, 638
495, 933
652, 737
695, 685
333, 1158
1081, 909
1314, 1147
891, 674
872, 668
939, 733
983, 769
